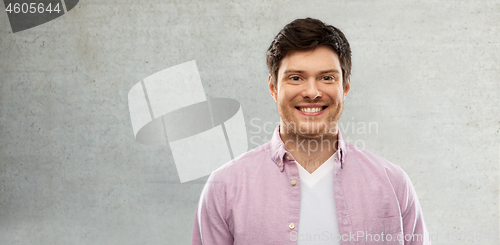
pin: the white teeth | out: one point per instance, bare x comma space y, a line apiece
310, 109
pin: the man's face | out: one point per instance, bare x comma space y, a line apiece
309, 93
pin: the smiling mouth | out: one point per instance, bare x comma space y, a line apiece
311, 109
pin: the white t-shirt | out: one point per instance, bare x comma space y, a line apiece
318, 217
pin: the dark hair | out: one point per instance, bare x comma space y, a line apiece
307, 34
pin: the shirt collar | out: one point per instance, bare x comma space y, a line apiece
280, 156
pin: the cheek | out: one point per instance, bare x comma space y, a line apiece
283, 97
289, 94
337, 95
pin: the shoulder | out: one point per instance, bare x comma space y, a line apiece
241, 165
371, 161
378, 167
224, 182
369, 170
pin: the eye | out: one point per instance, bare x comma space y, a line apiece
295, 78
329, 78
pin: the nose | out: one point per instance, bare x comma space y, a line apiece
311, 89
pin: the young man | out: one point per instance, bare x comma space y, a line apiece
307, 185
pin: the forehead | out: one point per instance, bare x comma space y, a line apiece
311, 61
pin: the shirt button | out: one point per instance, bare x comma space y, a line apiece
280, 164
288, 157
293, 183
291, 226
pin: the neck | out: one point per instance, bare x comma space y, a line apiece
309, 151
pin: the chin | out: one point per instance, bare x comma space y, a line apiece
310, 130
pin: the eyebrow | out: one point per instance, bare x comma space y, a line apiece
302, 72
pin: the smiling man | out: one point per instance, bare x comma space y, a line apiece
309, 90
307, 185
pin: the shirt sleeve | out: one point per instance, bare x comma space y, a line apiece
414, 228
210, 226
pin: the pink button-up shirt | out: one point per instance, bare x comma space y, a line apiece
255, 199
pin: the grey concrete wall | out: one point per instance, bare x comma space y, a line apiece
425, 73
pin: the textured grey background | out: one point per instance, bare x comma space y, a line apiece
425, 72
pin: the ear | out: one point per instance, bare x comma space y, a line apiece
272, 89
347, 86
